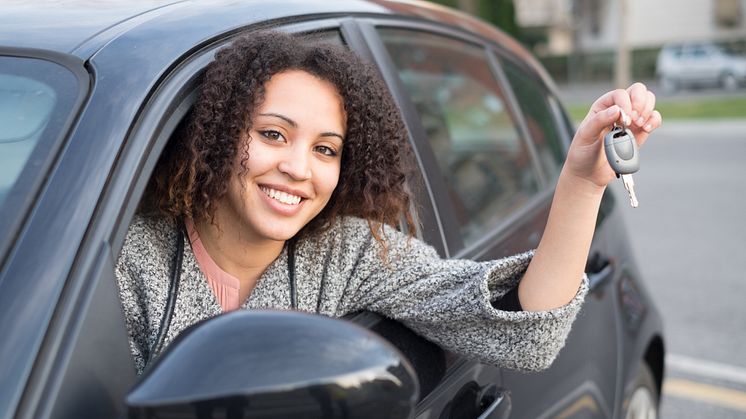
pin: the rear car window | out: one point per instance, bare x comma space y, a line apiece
36, 98
485, 164
540, 122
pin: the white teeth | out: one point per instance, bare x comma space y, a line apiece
283, 197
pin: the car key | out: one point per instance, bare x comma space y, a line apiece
623, 155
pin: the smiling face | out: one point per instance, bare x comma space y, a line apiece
295, 150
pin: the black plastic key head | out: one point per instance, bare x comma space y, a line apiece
622, 151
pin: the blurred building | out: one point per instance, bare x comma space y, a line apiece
560, 27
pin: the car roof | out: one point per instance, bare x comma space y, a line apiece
61, 25
136, 29
82, 27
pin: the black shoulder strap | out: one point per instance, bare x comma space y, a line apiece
173, 290
291, 272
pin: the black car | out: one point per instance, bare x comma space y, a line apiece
91, 92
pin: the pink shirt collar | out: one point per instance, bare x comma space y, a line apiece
224, 285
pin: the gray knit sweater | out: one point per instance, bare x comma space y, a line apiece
340, 272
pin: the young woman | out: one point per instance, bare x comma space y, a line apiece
284, 190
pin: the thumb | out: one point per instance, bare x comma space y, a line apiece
595, 124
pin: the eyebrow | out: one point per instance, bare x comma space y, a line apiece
283, 117
295, 124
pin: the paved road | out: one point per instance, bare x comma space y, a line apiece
689, 234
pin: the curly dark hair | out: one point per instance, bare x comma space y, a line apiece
195, 170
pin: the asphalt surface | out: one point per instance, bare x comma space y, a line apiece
689, 236
689, 233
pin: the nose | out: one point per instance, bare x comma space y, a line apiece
296, 164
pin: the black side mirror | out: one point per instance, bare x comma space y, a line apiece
276, 364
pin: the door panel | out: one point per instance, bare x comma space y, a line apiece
486, 171
583, 381
501, 204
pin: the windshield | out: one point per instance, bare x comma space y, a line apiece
36, 98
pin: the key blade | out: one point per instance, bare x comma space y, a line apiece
629, 185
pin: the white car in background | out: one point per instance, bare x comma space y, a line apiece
699, 64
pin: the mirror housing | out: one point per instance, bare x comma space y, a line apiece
264, 364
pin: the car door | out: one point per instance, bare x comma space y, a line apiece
461, 388
497, 140
586, 369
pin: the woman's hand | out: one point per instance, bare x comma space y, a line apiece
586, 159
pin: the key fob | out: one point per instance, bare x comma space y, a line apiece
622, 151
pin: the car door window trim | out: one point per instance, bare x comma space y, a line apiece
11, 227
517, 113
377, 54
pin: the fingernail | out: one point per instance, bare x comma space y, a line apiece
648, 127
640, 121
634, 114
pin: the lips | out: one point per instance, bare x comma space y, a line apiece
281, 196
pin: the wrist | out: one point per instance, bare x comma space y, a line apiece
579, 185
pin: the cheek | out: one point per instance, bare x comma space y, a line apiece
328, 179
258, 161
257, 152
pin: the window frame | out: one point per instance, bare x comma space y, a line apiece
558, 117
363, 38
18, 211
467, 152
428, 166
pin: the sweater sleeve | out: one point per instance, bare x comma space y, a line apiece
450, 301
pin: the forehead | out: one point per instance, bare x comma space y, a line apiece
304, 98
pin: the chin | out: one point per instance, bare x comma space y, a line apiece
280, 234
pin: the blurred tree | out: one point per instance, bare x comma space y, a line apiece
500, 13
469, 6
450, 3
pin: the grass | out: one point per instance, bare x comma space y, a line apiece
731, 107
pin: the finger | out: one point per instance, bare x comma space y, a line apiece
653, 122
638, 96
642, 134
648, 111
618, 97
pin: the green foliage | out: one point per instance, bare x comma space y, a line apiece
691, 108
599, 66
500, 13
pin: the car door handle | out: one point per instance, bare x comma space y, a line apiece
497, 403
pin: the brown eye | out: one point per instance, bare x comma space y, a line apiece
327, 151
272, 135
